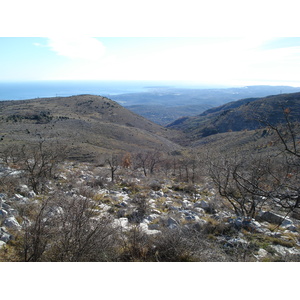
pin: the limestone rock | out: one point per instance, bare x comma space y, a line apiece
270, 217
152, 217
171, 223
12, 223
283, 251
155, 211
145, 229
200, 211
292, 228
236, 242
288, 223
160, 194
20, 198
4, 235
3, 196
202, 204
23, 189
187, 204
3, 215
122, 222
31, 194
262, 253
206, 206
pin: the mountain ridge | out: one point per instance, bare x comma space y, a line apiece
244, 114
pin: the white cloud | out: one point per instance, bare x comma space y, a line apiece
77, 48
235, 61
232, 61
218, 60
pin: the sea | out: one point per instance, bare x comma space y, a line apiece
63, 88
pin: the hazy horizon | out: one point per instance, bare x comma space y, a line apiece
208, 61
22, 90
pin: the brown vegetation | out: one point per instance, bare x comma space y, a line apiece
200, 203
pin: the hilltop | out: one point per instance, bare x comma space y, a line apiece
88, 124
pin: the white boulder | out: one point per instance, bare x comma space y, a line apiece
262, 253
145, 229
12, 223
122, 222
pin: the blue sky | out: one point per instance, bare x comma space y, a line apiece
214, 42
208, 60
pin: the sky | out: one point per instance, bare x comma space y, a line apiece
215, 42
207, 60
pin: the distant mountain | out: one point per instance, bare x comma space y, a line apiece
88, 124
164, 105
245, 114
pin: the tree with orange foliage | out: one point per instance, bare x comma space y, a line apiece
126, 161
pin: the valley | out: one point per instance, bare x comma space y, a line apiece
83, 178
164, 105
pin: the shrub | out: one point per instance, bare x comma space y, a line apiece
155, 185
135, 246
217, 228
63, 228
140, 210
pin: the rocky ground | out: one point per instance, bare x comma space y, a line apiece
156, 204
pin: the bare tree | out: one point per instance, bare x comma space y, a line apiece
36, 161
286, 175
287, 132
248, 181
114, 163
148, 161
243, 182
187, 167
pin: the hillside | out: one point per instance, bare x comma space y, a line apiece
164, 105
226, 197
87, 124
240, 115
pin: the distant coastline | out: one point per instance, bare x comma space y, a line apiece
63, 88
44, 89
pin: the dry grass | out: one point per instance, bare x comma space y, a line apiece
89, 125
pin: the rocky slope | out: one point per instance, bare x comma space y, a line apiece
151, 207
